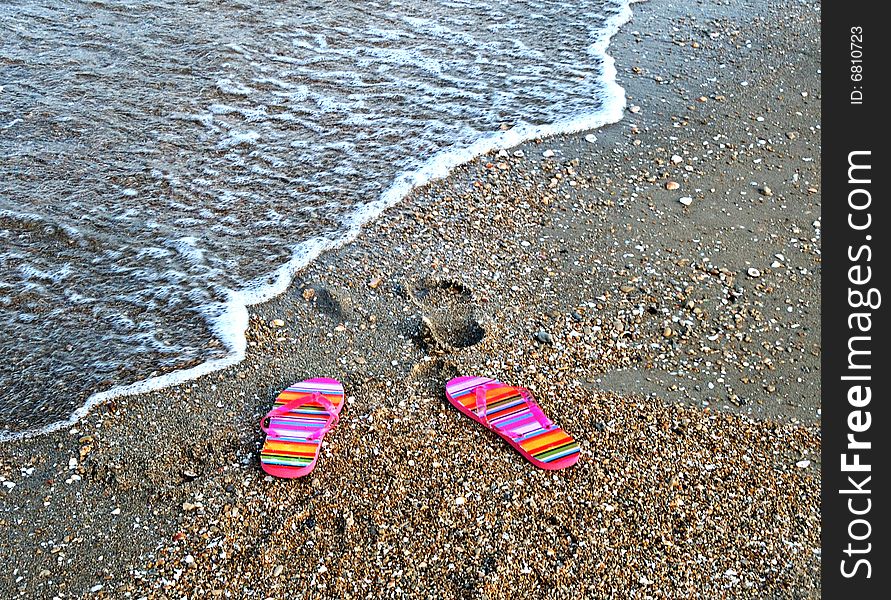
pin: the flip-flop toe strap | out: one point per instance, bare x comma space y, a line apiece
481, 408
534, 408
333, 415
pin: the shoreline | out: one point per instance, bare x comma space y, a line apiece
230, 328
586, 246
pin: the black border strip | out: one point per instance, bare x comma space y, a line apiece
855, 240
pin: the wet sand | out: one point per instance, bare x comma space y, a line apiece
678, 341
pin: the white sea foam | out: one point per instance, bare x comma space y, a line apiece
228, 315
239, 138
227, 86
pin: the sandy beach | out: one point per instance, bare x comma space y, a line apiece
654, 283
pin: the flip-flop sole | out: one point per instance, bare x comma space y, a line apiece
296, 456
552, 449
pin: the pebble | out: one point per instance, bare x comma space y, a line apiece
590, 138
460, 500
375, 283
803, 464
667, 332
278, 323
672, 185
686, 200
635, 109
753, 272
765, 191
277, 570
676, 159
309, 294
544, 337
548, 153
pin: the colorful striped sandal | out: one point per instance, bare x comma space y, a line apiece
512, 413
295, 426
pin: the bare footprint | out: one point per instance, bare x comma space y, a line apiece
432, 375
448, 316
334, 303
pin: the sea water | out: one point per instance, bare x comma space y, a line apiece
166, 163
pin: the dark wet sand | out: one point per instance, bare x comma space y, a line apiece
678, 342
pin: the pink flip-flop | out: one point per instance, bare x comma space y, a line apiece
512, 413
295, 426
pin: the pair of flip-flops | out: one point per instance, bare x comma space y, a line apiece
306, 411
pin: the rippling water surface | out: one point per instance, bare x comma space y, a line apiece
163, 163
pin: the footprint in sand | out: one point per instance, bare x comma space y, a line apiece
431, 375
448, 315
334, 303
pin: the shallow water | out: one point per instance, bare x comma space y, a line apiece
163, 163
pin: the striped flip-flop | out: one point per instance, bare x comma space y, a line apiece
295, 426
512, 413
